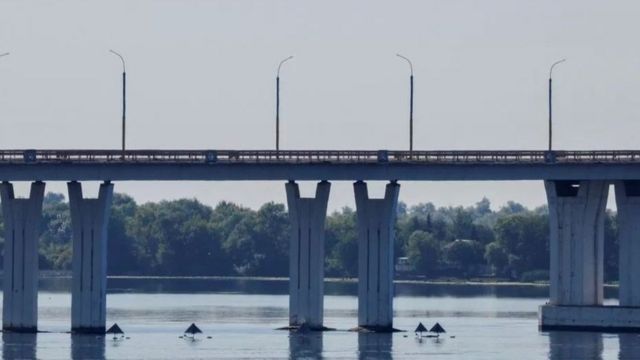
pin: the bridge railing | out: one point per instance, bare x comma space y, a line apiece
316, 156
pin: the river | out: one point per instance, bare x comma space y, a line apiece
239, 318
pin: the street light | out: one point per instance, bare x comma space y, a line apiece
124, 99
4, 54
550, 100
410, 105
278, 102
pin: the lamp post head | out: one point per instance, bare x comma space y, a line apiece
409, 61
124, 69
4, 54
282, 62
554, 65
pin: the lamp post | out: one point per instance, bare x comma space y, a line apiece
4, 54
410, 106
124, 99
550, 101
278, 102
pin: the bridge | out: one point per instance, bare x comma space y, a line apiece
576, 182
167, 165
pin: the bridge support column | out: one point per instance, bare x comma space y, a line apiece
306, 255
576, 246
89, 219
21, 228
628, 204
376, 219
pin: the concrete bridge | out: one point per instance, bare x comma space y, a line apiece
577, 185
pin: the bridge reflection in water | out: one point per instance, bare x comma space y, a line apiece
86, 346
18, 345
575, 345
375, 346
305, 345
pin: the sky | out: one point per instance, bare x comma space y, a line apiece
201, 75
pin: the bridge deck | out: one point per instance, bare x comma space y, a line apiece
63, 165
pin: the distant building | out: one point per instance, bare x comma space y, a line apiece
403, 265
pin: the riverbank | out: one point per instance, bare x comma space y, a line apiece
442, 281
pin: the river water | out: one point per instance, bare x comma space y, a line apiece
239, 318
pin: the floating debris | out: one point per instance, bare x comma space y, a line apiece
420, 329
437, 329
115, 330
192, 330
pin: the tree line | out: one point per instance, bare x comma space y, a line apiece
186, 237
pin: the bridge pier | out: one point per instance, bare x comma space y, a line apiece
576, 246
628, 204
89, 219
21, 227
376, 219
306, 255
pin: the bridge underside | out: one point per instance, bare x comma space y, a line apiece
315, 172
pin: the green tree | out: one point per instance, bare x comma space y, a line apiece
121, 251
462, 253
342, 243
496, 257
176, 237
55, 247
525, 238
423, 252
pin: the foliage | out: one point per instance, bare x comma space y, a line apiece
185, 237
423, 252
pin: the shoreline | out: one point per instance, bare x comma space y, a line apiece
452, 282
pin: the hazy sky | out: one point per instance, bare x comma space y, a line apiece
201, 75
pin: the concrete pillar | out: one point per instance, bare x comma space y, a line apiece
628, 204
576, 221
89, 219
306, 259
376, 219
21, 229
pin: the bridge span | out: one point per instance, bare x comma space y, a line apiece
168, 165
577, 185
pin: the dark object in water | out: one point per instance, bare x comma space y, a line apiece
193, 330
437, 329
304, 328
115, 330
420, 329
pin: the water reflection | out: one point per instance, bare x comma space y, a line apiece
629, 346
567, 345
18, 346
89, 347
305, 345
374, 346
